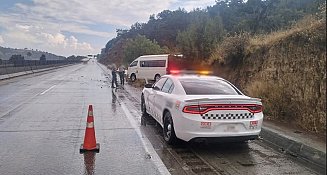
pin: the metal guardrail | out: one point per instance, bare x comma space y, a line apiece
7, 67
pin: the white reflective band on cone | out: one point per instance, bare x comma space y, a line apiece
90, 125
90, 113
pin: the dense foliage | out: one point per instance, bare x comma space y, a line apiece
17, 60
196, 33
140, 46
75, 58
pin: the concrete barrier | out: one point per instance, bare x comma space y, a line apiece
27, 72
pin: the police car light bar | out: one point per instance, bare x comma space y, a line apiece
197, 72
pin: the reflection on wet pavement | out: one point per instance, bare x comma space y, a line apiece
89, 162
113, 102
42, 133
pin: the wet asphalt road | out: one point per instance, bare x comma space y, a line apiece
42, 124
43, 120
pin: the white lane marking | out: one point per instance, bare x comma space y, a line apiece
145, 141
48, 89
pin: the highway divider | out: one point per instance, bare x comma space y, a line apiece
27, 72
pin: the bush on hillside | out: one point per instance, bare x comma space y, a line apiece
231, 50
277, 101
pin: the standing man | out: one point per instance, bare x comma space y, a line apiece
114, 77
121, 71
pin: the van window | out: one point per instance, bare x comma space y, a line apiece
134, 63
153, 63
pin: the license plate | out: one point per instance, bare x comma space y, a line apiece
230, 128
206, 125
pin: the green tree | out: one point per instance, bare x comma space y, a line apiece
197, 41
197, 33
75, 58
79, 58
72, 57
43, 58
17, 60
213, 34
140, 46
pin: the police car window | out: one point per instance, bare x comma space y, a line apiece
197, 86
158, 85
134, 63
167, 85
171, 88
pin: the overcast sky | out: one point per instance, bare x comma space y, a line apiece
76, 27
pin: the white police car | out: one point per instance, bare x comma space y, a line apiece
192, 107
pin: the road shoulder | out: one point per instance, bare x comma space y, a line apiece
300, 144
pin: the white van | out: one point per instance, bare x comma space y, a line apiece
150, 67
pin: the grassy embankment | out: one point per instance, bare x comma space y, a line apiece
286, 69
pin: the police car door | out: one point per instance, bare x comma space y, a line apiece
152, 99
163, 100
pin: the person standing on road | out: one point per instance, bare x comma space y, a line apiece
114, 77
121, 71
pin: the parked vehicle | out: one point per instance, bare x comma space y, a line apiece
152, 67
190, 107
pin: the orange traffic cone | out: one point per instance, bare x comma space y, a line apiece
89, 138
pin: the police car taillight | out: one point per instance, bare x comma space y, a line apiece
255, 108
194, 109
204, 108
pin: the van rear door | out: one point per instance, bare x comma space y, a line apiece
151, 66
175, 63
179, 63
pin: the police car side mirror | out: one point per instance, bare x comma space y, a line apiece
148, 85
156, 88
